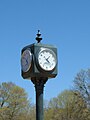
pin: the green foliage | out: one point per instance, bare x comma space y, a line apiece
13, 101
69, 105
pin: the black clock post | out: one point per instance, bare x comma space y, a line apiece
39, 87
38, 64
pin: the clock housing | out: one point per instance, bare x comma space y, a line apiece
48, 67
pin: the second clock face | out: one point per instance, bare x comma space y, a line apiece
47, 59
26, 60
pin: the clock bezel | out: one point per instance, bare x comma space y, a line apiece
37, 59
30, 63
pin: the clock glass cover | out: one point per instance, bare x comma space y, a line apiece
47, 59
26, 60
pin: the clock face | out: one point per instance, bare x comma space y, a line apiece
26, 60
47, 59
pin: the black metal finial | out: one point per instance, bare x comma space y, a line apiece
38, 38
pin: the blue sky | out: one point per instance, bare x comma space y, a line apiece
63, 23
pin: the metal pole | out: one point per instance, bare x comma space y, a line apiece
39, 101
39, 87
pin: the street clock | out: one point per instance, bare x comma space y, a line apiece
39, 61
38, 64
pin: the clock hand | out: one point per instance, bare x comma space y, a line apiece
26, 61
47, 59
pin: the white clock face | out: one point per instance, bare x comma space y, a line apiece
26, 60
47, 59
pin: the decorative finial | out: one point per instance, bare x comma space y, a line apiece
38, 38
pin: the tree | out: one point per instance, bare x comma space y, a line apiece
67, 106
82, 85
13, 101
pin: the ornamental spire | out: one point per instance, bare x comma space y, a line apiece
38, 38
